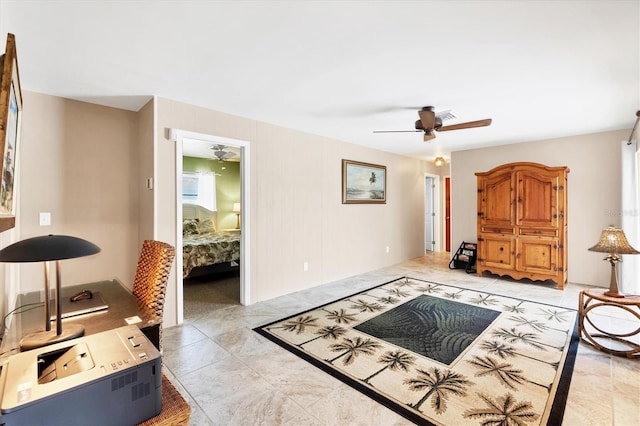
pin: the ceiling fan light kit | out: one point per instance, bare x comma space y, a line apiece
430, 121
221, 154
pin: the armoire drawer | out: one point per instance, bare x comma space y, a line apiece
498, 230
539, 232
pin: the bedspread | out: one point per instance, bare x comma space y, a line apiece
208, 249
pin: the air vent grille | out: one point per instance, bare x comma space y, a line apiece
446, 115
140, 390
124, 380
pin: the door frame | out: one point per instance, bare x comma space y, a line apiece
437, 208
177, 135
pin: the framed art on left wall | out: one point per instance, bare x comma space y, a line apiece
10, 116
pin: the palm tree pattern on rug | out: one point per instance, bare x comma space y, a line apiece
439, 354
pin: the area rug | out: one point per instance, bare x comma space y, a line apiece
439, 354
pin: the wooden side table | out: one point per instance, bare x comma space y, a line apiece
590, 300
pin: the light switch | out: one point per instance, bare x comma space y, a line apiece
45, 218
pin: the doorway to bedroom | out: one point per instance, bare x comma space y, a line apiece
210, 210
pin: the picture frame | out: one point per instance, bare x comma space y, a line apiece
363, 183
10, 118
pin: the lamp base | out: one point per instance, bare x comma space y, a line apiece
39, 339
613, 283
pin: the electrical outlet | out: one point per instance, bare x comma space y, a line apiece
387, 249
305, 266
45, 219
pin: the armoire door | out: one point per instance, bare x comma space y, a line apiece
497, 195
497, 251
537, 255
537, 199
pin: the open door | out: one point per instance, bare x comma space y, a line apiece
447, 213
432, 215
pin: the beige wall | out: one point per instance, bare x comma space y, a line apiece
87, 165
593, 191
296, 208
145, 165
78, 161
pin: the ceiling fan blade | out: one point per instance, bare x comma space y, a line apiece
429, 135
395, 131
427, 117
467, 125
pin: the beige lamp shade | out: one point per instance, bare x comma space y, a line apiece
613, 240
439, 161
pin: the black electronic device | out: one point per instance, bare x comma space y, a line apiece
83, 295
108, 378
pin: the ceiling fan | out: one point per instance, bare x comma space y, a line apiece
221, 154
430, 121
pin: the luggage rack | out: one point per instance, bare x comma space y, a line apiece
465, 257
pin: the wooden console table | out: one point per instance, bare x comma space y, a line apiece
589, 300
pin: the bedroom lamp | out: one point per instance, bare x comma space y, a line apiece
236, 210
613, 241
45, 249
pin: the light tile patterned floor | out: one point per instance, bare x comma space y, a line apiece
233, 376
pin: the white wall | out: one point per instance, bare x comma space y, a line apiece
593, 192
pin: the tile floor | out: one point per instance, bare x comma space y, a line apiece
232, 376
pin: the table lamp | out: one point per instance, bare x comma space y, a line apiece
236, 210
613, 241
45, 249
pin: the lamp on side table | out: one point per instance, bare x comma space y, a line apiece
45, 249
236, 210
613, 241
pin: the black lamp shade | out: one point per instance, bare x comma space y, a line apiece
48, 247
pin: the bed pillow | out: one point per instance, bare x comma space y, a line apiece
190, 227
207, 226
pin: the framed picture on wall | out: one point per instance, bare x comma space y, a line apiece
363, 183
10, 115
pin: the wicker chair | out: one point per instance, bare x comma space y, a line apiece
152, 273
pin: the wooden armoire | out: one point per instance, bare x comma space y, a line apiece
522, 222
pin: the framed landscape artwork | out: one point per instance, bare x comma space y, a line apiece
363, 183
10, 114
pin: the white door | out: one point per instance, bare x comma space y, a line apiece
430, 214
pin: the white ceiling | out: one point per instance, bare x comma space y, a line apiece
539, 69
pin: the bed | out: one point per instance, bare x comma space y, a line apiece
205, 250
